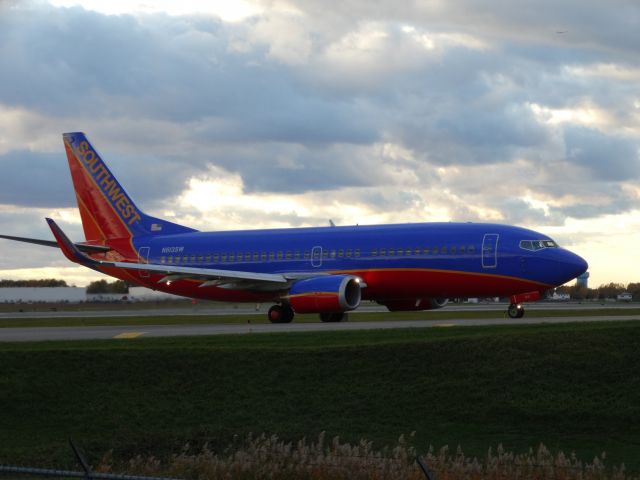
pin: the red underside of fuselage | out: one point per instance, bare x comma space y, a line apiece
389, 284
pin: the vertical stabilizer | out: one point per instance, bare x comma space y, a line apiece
107, 211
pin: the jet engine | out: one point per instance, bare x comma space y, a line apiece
325, 294
415, 304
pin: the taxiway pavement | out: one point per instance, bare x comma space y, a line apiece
146, 331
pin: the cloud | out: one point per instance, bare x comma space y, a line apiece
35, 180
355, 111
608, 157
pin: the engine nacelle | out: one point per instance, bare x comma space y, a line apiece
415, 304
325, 294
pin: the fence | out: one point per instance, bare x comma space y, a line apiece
88, 474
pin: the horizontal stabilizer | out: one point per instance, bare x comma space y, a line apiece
52, 243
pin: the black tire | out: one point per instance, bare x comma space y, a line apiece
280, 314
515, 310
333, 317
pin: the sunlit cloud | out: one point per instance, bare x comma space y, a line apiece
233, 115
234, 11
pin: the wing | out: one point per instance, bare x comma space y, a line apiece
221, 278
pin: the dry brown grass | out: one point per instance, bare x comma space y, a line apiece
268, 457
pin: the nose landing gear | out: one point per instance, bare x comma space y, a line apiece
515, 310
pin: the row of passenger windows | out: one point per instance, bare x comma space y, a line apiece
235, 257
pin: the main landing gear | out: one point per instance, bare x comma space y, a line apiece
333, 317
515, 310
280, 314
284, 314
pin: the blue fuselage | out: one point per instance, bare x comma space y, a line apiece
429, 259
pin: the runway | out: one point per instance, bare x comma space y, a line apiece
245, 309
128, 333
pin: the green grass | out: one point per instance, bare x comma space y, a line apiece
568, 386
438, 315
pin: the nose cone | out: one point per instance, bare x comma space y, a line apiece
573, 265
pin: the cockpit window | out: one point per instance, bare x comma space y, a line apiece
535, 245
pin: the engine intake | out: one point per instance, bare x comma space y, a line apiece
325, 294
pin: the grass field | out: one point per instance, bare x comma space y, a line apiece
572, 387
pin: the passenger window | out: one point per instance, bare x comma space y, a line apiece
332, 254
407, 252
340, 253
185, 259
471, 249
325, 254
263, 256
443, 250
462, 249
348, 254
374, 252
392, 252
416, 251
356, 253
232, 257
280, 255
296, 255
426, 250
288, 255
272, 256
307, 255
200, 258
453, 250
383, 252
435, 250
193, 259
162, 259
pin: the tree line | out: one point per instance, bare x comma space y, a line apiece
608, 290
99, 286
48, 282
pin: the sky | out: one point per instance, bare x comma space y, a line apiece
250, 114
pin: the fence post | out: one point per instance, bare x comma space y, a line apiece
423, 466
83, 462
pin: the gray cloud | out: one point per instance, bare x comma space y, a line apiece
36, 180
608, 157
163, 98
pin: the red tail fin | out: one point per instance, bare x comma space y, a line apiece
108, 213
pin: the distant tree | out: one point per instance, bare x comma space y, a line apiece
49, 282
634, 289
576, 292
102, 286
610, 290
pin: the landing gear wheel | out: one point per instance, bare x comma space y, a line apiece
334, 317
515, 310
280, 314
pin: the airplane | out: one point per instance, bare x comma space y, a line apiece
323, 270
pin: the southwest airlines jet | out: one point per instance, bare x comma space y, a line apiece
327, 270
